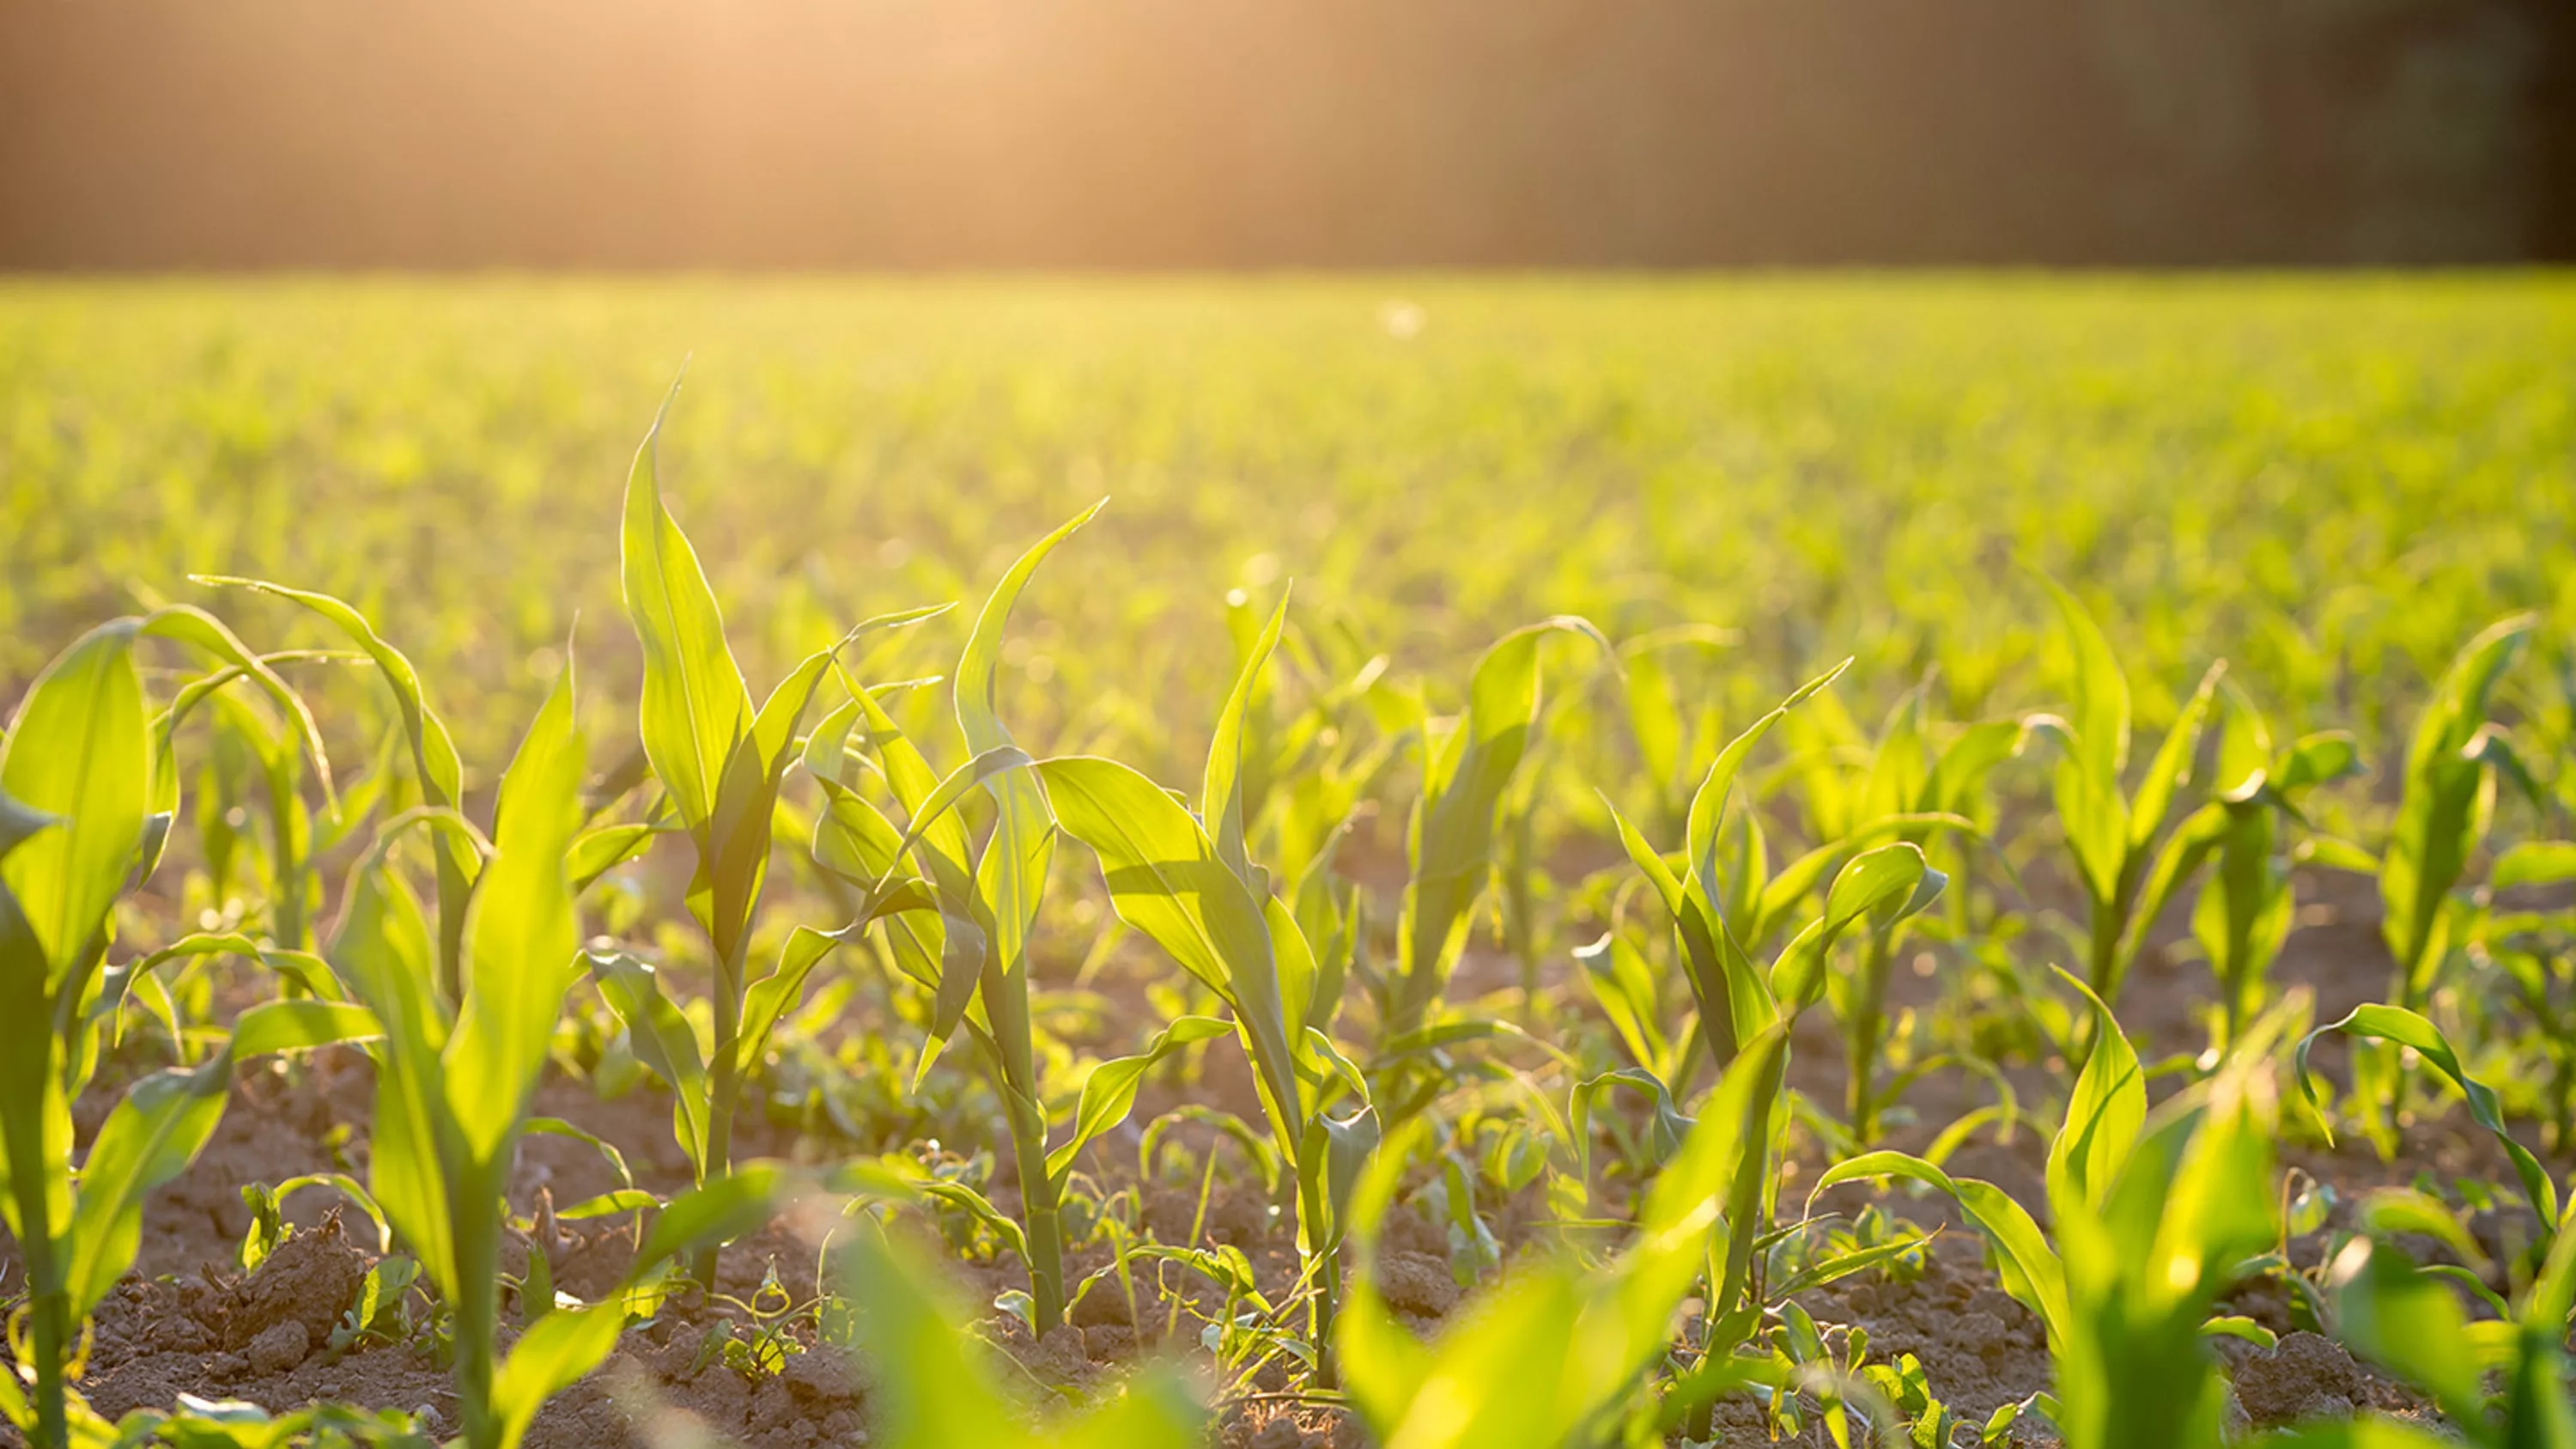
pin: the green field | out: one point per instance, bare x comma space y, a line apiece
2331, 482
1649, 916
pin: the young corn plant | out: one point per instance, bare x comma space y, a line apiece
2154, 1212
963, 933
2245, 908
720, 762
2530, 954
1450, 845
1706, 898
2504, 1379
2111, 834
438, 775
453, 1083
1915, 790
89, 785
1188, 884
2452, 763
2408, 1321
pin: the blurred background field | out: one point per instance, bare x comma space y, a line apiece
2331, 480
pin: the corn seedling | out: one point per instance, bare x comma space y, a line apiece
89, 785
2111, 834
1450, 842
1188, 884
453, 1083
2154, 1213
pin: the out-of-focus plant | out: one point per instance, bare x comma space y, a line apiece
2452, 764
2111, 834
1450, 845
1558, 1352
2409, 1319
2246, 907
931, 1390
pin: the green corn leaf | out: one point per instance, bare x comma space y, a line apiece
203, 631
1109, 1092
2405, 1028
550, 1357
1885, 884
434, 758
1166, 879
1013, 872
1732, 997
2101, 714
934, 1393
1340, 1149
2317, 759
1708, 806
1900, 768
1718, 1171
1959, 776
608, 1153
521, 938
951, 856
2103, 1118
733, 858
2534, 863
2441, 813
385, 952
1452, 836
149, 1138
1624, 987
2369, 1431
2411, 1324
975, 1205
77, 752
732, 1206
2170, 770
433, 752
776, 994
284, 1026
929, 814
1221, 792
696, 708
596, 852
2390, 1211
661, 1039
2552, 1298
1299, 977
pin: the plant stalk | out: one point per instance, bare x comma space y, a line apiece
477, 1214
1868, 1024
724, 1092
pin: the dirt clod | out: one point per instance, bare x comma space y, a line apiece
1418, 1283
310, 1281
2304, 1377
280, 1347
819, 1377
